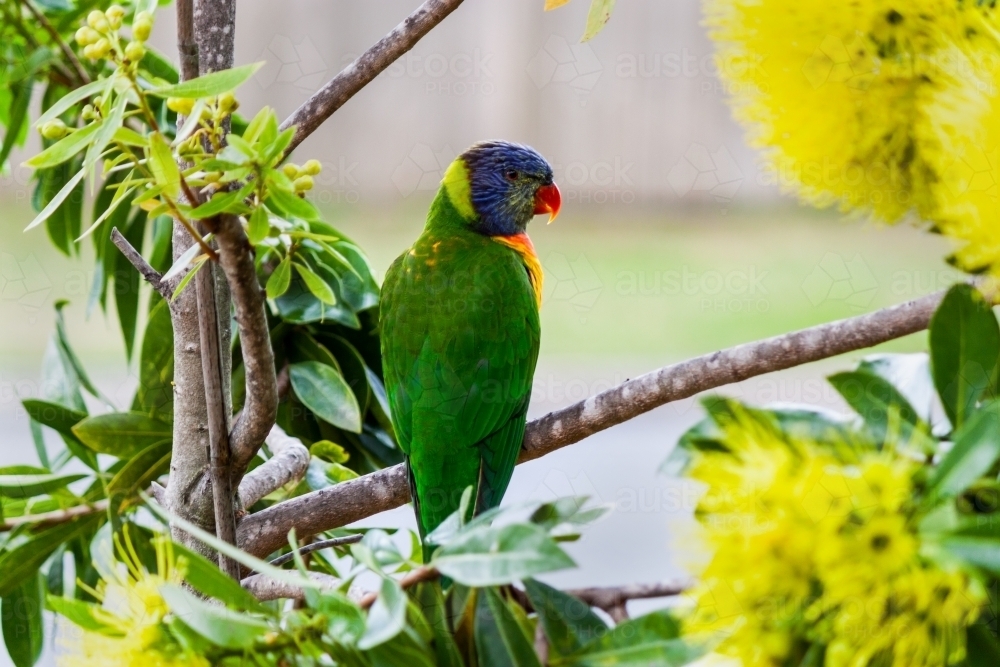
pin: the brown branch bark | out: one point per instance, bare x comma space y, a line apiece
288, 462
613, 597
151, 275
365, 68
261, 406
187, 48
318, 546
351, 501
264, 588
218, 419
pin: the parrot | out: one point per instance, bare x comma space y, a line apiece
460, 331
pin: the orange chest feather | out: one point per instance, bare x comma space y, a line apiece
521, 244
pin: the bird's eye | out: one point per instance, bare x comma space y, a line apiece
511, 175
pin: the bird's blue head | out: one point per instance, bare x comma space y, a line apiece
499, 186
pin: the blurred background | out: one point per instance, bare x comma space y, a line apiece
674, 239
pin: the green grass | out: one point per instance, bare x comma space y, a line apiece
656, 285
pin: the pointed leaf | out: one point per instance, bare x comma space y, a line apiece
499, 639
976, 449
209, 85
323, 390
121, 434
280, 278
220, 625
206, 577
163, 165
28, 486
55, 202
259, 225
87, 615
316, 285
66, 147
76, 95
569, 624
23, 623
597, 18
387, 616
494, 556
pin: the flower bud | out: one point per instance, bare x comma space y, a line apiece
303, 183
102, 48
88, 112
312, 167
181, 105
98, 21
90, 52
227, 102
115, 11
213, 177
290, 170
86, 35
54, 129
135, 51
142, 26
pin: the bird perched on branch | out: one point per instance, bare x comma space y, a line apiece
460, 329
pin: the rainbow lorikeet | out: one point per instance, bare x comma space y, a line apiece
460, 329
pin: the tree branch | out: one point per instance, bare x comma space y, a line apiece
615, 597
288, 462
318, 546
54, 517
264, 588
151, 275
365, 68
351, 501
261, 406
187, 48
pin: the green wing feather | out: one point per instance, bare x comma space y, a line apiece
460, 338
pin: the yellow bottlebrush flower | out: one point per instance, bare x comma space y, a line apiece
816, 550
878, 106
131, 595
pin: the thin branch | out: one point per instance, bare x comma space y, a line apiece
351, 501
264, 588
261, 407
410, 579
218, 420
612, 597
151, 275
288, 462
54, 517
187, 48
318, 546
57, 38
365, 68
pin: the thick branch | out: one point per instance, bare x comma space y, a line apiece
288, 462
218, 420
187, 49
366, 67
351, 501
151, 275
261, 406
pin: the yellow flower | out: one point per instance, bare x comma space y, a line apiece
879, 106
137, 609
815, 550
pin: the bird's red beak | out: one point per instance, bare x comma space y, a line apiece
548, 200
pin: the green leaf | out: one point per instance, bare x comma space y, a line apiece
220, 625
209, 85
429, 596
130, 137
499, 639
140, 471
492, 556
20, 562
223, 202
57, 417
189, 276
877, 401
280, 278
321, 475
127, 284
387, 617
23, 623
74, 96
965, 350
111, 123
87, 615
163, 165
292, 204
597, 18
568, 623
316, 285
322, 389
121, 434
259, 225
980, 550
206, 577
155, 394
653, 639
982, 647
66, 147
56, 201
29, 486
345, 622
976, 449
17, 114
